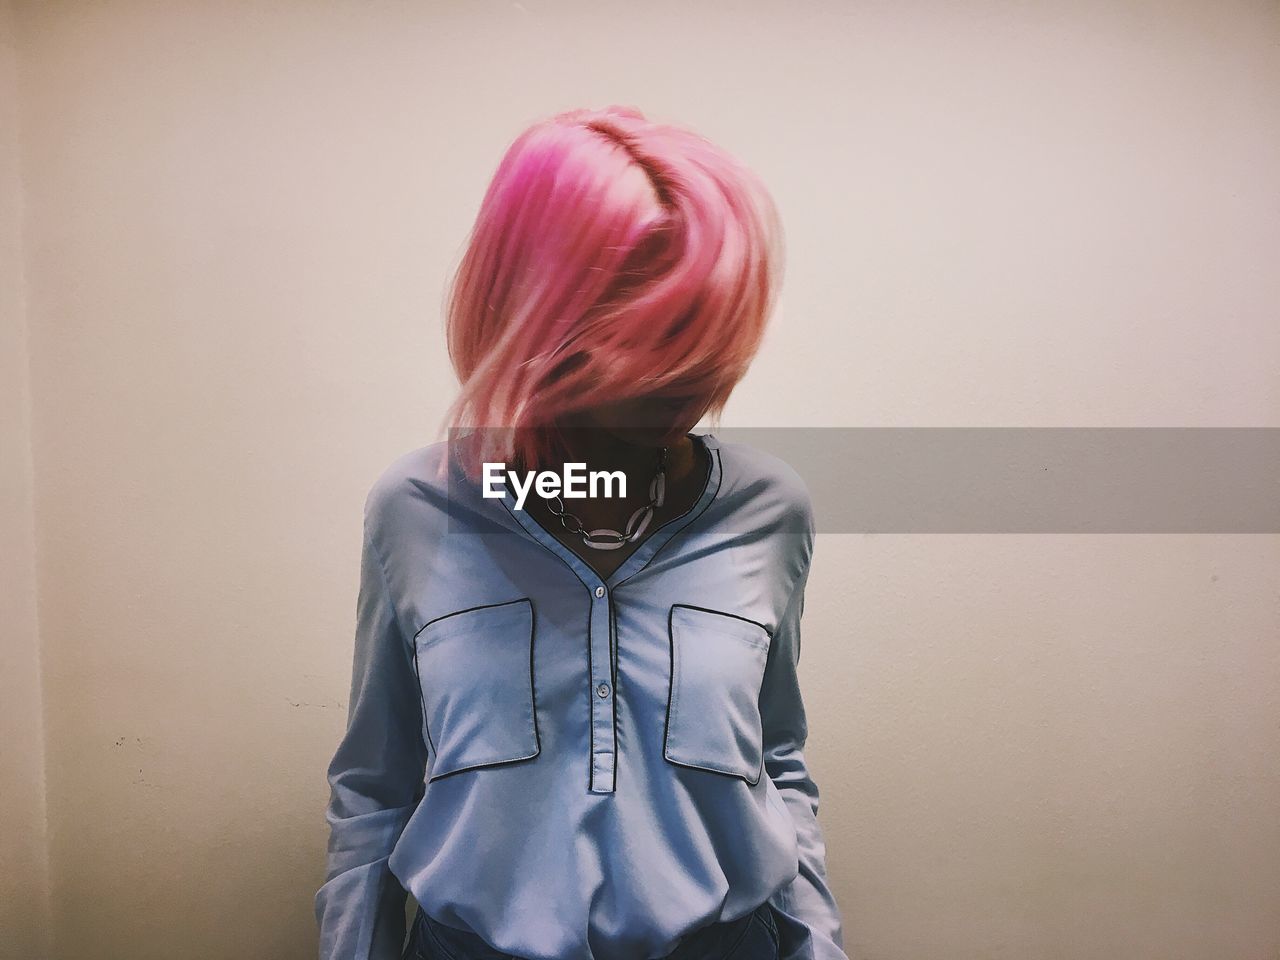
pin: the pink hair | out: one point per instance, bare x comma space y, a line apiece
612, 258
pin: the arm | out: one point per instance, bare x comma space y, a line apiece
375, 779
810, 924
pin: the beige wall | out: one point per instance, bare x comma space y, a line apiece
24, 860
239, 219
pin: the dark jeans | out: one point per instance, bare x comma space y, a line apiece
753, 936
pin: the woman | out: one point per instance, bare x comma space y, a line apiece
575, 729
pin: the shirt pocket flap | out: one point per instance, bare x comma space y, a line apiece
718, 662
475, 671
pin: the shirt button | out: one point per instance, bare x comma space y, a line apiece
600, 593
603, 689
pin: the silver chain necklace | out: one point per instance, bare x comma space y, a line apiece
604, 538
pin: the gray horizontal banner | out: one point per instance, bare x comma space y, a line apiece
1033, 479
1030, 479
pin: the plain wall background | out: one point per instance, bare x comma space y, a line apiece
24, 862
226, 232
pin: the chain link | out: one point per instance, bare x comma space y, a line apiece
637, 523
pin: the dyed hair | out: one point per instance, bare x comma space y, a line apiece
612, 258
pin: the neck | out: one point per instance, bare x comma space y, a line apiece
599, 449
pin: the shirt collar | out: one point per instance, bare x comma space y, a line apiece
649, 546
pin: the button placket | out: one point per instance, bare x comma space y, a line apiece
604, 741
600, 621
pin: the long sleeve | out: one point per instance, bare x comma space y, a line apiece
375, 779
810, 925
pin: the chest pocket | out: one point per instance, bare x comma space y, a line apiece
475, 670
713, 708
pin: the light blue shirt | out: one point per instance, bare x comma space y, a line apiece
577, 768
